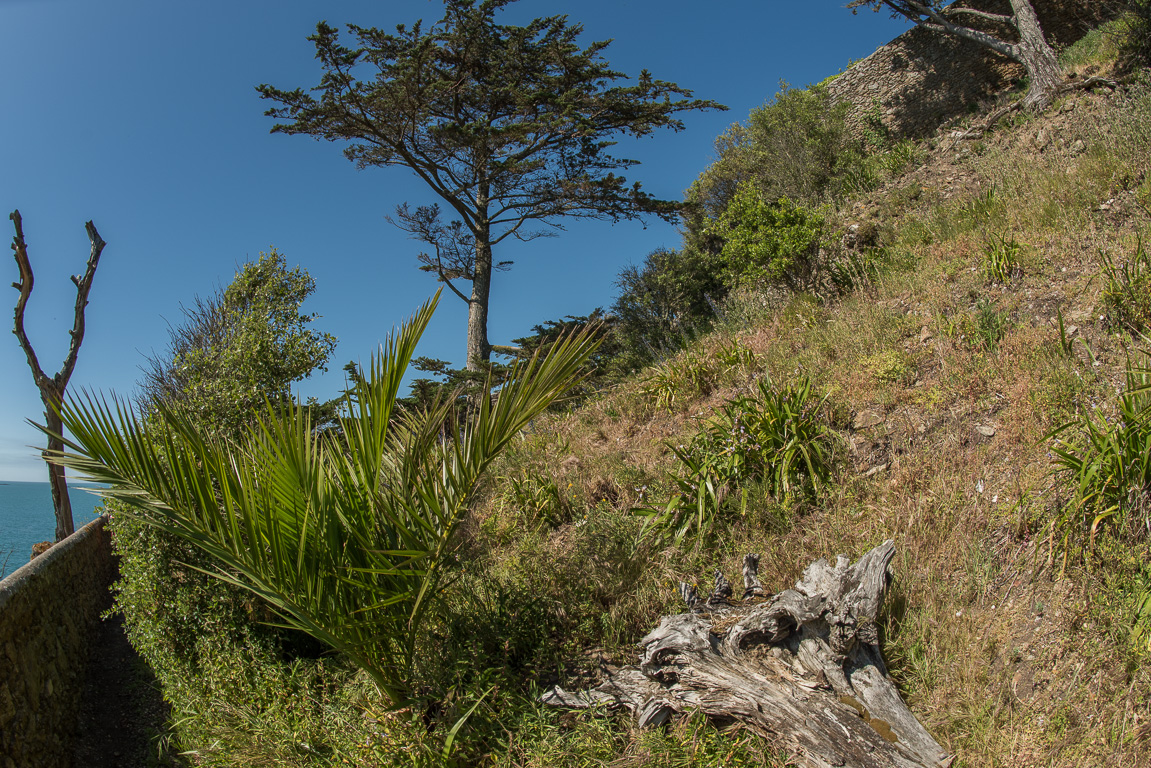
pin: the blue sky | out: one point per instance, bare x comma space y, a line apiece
143, 117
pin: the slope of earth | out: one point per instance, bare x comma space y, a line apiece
1005, 302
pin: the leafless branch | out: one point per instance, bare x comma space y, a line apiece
25, 287
997, 17
83, 286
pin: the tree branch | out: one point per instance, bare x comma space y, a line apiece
443, 278
83, 286
998, 17
25, 288
914, 11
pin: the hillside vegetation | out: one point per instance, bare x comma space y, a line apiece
940, 343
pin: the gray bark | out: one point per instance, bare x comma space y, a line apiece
52, 387
802, 666
479, 351
1037, 57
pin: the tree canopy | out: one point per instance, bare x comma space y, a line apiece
239, 347
510, 126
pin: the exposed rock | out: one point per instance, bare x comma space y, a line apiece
866, 419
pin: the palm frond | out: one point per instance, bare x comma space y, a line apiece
348, 538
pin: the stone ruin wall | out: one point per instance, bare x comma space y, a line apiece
924, 78
48, 610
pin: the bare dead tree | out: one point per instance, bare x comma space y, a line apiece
52, 387
802, 666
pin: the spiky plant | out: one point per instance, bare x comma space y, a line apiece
347, 534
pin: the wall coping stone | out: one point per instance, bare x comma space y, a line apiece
14, 582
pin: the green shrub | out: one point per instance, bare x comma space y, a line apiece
671, 384
737, 361
774, 243
795, 146
536, 497
898, 157
663, 304
240, 347
1100, 46
1135, 48
888, 365
778, 438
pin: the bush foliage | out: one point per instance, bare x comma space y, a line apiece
778, 438
768, 242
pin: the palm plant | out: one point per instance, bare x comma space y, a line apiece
347, 534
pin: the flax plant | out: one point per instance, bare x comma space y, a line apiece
779, 438
1110, 472
347, 534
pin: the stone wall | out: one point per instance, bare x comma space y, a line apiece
48, 610
924, 78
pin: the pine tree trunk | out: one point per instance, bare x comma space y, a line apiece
56, 477
479, 351
1037, 56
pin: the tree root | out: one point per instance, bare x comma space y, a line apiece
993, 119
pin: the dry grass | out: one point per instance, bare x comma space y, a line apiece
1005, 649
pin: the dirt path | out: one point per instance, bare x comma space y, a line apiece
122, 714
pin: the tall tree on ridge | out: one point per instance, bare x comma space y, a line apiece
52, 387
508, 125
1031, 49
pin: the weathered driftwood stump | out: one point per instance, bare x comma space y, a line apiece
802, 666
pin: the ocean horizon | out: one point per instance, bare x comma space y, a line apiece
27, 517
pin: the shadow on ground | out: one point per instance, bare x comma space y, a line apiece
122, 715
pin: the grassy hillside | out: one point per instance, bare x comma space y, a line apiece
997, 291
1011, 631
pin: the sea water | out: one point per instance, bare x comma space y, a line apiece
27, 516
